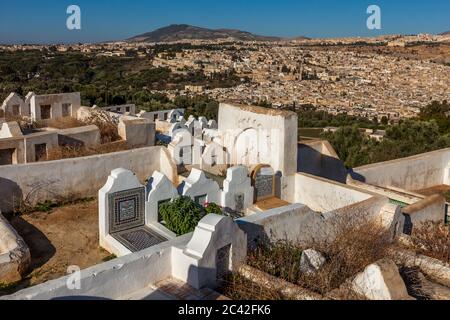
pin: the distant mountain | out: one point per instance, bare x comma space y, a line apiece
445, 33
177, 32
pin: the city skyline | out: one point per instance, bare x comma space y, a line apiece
116, 20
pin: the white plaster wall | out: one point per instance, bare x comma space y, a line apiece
111, 280
88, 135
413, 173
277, 139
137, 132
17, 143
429, 209
10, 130
121, 109
196, 262
295, 223
81, 177
15, 99
160, 114
299, 223
56, 101
197, 185
237, 181
325, 195
161, 189
50, 138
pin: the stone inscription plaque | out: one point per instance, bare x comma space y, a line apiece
264, 184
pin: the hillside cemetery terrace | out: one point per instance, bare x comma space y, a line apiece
259, 195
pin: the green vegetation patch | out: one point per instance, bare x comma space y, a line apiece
182, 215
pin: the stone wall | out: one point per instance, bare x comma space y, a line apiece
77, 177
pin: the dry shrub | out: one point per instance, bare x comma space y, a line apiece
432, 239
237, 287
67, 152
24, 123
61, 123
414, 283
357, 245
107, 125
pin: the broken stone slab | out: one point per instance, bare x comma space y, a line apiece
421, 287
435, 291
286, 289
381, 281
436, 270
14, 253
311, 261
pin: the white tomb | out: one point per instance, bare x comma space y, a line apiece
237, 189
200, 189
122, 223
160, 190
217, 247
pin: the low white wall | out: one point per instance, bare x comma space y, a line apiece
324, 195
89, 136
284, 223
298, 223
429, 209
413, 173
77, 177
111, 280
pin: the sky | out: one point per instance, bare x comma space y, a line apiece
44, 21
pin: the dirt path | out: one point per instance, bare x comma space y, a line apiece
64, 237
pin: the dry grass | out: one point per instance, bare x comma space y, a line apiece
354, 248
67, 152
414, 283
433, 240
237, 287
61, 123
23, 122
107, 125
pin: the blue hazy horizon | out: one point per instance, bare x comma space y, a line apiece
44, 21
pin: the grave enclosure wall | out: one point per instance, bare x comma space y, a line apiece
77, 177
